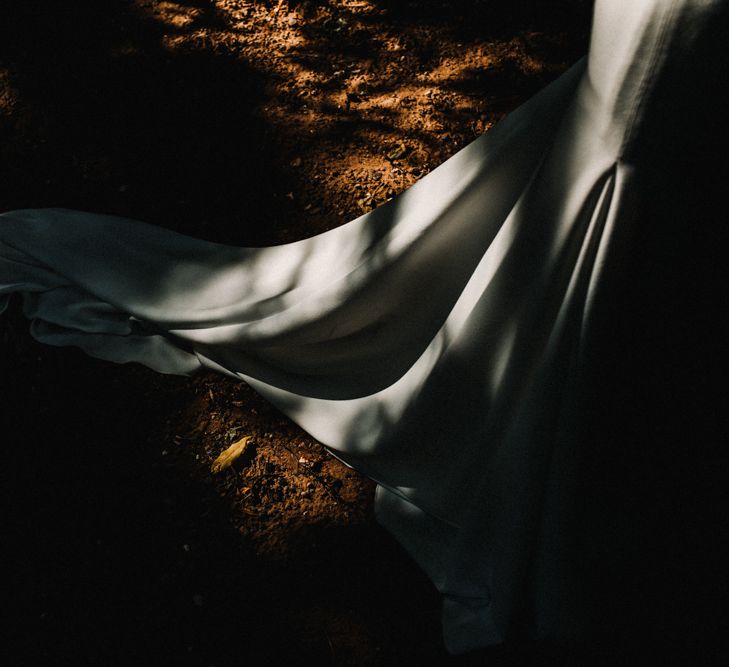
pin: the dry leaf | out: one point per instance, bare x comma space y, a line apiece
228, 457
397, 152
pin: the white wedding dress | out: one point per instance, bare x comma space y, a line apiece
437, 344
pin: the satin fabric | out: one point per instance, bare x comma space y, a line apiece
436, 344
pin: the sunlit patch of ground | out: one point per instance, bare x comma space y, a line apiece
282, 485
347, 85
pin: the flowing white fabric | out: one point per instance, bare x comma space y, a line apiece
434, 344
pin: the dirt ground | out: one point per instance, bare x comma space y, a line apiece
248, 123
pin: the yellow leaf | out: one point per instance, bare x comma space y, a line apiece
228, 457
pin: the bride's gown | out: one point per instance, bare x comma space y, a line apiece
439, 344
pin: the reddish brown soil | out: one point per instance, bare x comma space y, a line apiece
249, 123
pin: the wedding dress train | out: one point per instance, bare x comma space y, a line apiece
440, 344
